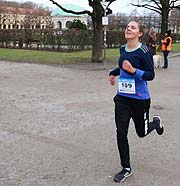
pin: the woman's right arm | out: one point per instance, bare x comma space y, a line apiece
112, 74
115, 72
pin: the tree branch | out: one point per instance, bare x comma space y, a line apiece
110, 1
173, 3
149, 7
157, 3
71, 11
90, 3
177, 7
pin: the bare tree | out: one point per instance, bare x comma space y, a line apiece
174, 20
162, 7
96, 16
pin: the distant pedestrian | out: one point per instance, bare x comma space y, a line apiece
133, 99
166, 47
152, 40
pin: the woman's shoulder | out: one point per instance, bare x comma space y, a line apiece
144, 48
123, 46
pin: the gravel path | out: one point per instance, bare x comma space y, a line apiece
57, 128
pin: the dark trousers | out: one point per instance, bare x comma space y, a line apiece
165, 54
125, 109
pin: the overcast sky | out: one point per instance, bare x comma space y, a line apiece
119, 6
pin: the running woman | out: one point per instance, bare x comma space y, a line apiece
135, 68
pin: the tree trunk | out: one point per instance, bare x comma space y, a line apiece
98, 34
164, 25
97, 45
165, 14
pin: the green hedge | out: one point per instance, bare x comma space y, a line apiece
60, 40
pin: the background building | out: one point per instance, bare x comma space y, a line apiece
17, 16
60, 19
21, 18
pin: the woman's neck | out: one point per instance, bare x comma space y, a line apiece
132, 44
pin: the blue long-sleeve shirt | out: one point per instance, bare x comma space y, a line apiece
141, 59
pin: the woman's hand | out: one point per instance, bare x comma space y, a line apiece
112, 80
128, 67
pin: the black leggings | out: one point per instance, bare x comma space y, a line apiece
125, 109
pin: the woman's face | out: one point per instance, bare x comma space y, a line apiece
132, 31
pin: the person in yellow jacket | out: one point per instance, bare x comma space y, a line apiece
166, 47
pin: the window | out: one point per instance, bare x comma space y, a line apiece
59, 24
68, 23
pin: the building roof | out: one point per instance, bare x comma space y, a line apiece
24, 11
68, 7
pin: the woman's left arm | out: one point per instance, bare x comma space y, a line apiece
147, 72
148, 64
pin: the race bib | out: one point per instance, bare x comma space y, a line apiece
126, 85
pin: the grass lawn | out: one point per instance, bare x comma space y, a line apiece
176, 47
46, 57
37, 56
